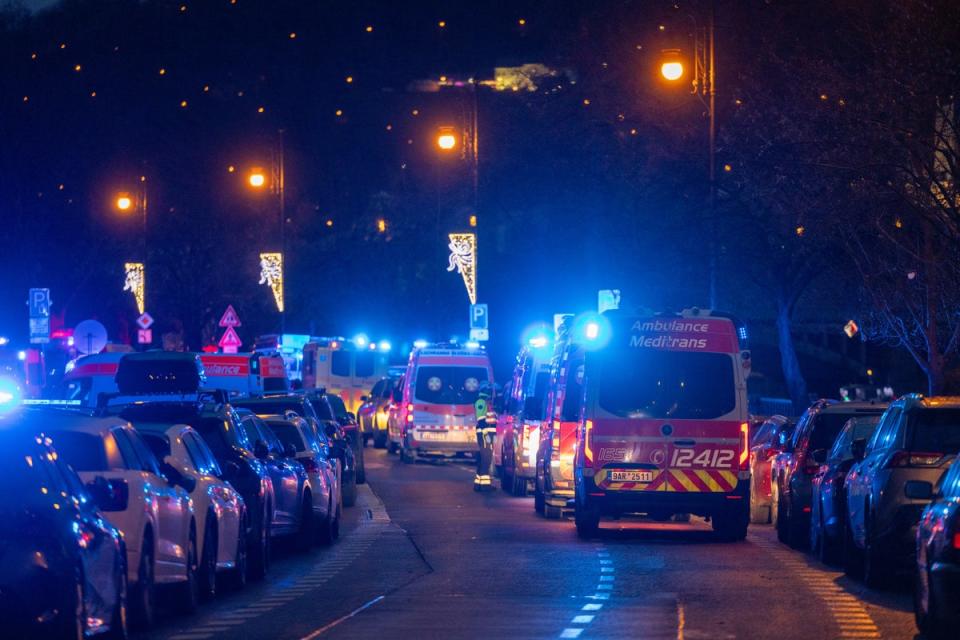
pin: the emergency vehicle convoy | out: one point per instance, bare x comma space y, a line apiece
663, 421
436, 416
246, 373
344, 368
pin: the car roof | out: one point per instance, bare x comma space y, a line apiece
65, 420
854, 407
162, 355
931, 402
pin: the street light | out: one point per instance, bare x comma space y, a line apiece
446, 139
124, 201
671, 70
257, 178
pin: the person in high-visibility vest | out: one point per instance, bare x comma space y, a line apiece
486, 430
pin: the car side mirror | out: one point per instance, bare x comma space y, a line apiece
260, 449
109, 495
332, 431
819, 456
918, 490
289, 450
230, 469
859, 449
176, 478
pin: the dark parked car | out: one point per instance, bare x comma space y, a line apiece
937, 593
351, 428
279, 404
917, 440
768, 440
293, 495
828, 518
63, 569
793, 470
373, 413
218, 425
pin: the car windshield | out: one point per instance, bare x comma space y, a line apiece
288, 434
646, 383
336, 403
449, 384
82, 451
934, 430
860, 428
826, 428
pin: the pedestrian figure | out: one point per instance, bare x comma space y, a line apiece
486, 430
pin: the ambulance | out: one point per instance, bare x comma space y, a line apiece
348, 369
88, 376
663, 427
246, 374
436, 415
520, 415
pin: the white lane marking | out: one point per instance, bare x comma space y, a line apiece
571, 633
582, 619
592, 607
606, 578
599, 596
358, 610
606, 569
604, 587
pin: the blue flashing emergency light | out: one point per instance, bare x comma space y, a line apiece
472, 345
385, 345
592, 330
360, 340
420, 344
539, 342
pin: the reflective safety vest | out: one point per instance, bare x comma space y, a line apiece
480, 407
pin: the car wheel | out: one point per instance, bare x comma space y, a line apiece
361, 468
207, 577
829, 551
145, 602
73, 626
380, 441
519, 488
392, 448
305, 534
237, 578
350, 491
506, 481
815, 533
875, 571
780, 520
852, 555
587, 520
325, 530
551, 512
731, 525
798, 536
118, 621
190, 589
260, 547
538, 498
926, 609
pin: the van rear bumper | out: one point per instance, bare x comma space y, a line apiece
672, 502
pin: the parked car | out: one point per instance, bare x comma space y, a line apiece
63, 570
147, 500
293, 509
794, 468
313, 452
302, 406
332, 410
768, 440
373, 413
220, 510
937, 592
828, 515
917, 440
219, 426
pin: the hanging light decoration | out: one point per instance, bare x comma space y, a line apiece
271, 274
463, 259
135, 283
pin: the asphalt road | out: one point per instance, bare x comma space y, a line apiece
423, 556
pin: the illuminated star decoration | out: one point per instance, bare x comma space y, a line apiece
271, 274
135, 283
463, 258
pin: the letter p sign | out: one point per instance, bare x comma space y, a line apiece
479, 316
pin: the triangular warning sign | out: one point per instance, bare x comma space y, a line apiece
230, 339
230, 318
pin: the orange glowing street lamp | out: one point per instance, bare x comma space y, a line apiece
671, 70
257, 178
446, 139
124, 201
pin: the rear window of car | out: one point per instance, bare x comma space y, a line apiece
934, 430
336, 403
82, 451
288, 434
157, 443
826, 428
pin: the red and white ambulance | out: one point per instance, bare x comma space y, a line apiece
245, 374
663, 427
88, 376
436, 415
344, 368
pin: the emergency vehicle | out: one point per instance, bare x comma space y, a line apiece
289, 346
663, 427
344, 368
89, 376
246, 374
436, 413
519, 418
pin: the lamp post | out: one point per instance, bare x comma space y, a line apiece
703, 85
259, 179
135, 202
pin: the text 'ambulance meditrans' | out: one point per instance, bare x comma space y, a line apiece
664, 424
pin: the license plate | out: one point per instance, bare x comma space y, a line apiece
433, 435
631, 476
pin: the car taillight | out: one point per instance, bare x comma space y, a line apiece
914, 459
310, 465
587, 447
956, 541
409, 413
744, 446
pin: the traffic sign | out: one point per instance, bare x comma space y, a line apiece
144, 336
608, 299
480, 335
39, 330
39, 303
479, 316
145, 321
230, 341
230, 318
